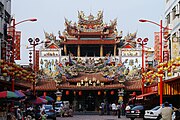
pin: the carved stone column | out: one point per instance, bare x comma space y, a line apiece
101, 50
78, 51
65, 49
115, 47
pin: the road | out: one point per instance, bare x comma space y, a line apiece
95, 117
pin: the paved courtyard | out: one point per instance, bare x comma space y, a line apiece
95, 117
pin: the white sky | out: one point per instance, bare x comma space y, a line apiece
51, 14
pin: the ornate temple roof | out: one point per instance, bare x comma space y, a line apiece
86, 20
90, 25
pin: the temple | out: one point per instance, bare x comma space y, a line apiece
90, 63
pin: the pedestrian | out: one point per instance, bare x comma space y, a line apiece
166, 112
177, 113
43, 116
108, 108
119, 110
114, 108
102, 108
127, 108
123, 109
19, 114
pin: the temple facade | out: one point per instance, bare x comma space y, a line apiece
91, 62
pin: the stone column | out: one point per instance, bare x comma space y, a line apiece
78, 51
101, 50
115, 47
65, 50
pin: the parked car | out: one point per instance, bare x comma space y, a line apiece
49, 111
136, 112
155, 113
128, 108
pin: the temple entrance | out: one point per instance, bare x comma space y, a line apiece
90, 103
90, 50
89, 100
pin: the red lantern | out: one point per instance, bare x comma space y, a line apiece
74, 92
99, 92
112, 92
80, 93
44, 94
60, 64
67, 92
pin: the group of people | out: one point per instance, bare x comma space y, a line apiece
113, 108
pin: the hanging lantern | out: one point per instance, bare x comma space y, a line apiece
173, 67
99, 92
104, 92
67, 92
165, 68
4, 74
172, 60
112, 92
169, 74
80, 93
60, 64
178, 58
58, 98
74, 92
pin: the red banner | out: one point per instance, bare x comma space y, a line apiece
17, 45
156, 46
37, 61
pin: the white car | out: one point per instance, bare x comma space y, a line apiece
154, 113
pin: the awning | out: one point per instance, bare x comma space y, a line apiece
144, 95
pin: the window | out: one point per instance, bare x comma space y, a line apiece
1, 9
174, 35
7, 17
174, 13
168, 19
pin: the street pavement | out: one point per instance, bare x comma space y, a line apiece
95, 117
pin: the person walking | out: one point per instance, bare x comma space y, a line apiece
114, 108
102, 108
119, 110
166, 112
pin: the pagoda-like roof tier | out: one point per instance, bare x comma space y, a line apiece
87, 42
105, 87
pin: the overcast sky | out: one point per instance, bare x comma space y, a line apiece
51, 14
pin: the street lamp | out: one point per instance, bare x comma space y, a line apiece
160, 54
142, 42
13, 40
34, 43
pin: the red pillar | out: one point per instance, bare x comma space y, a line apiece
161, 83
